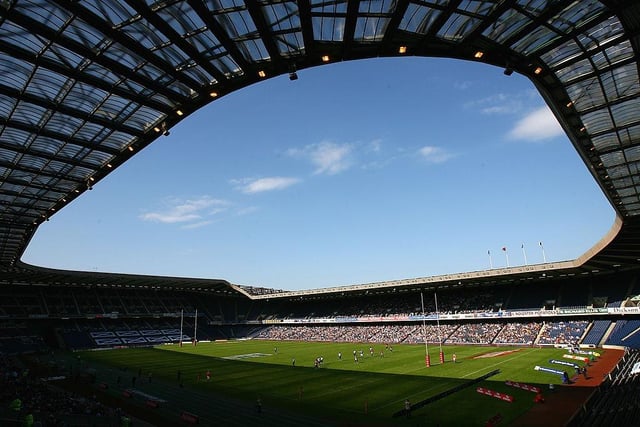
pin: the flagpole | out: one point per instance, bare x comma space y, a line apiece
506, 254
490, 261
544, 258
195, 328
427, 359
525, 255
438, 323
181, 321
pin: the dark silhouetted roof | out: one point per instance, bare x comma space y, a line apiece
87, 84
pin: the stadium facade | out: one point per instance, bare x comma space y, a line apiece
88, 84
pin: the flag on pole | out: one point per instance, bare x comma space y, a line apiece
506, 254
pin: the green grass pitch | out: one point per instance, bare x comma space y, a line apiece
340, 392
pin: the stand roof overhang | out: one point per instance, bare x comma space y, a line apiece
87, 84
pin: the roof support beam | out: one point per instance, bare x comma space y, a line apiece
129, 43
265, 32
219, 32
176, 38
60, 137
350, 27
38, 28
47, 156
47, 63
39, 172
60, 107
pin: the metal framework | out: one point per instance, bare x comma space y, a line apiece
87, 84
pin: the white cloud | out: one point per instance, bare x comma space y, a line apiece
434, 154
247, 211
196, 225
186, 211
464, 85
252, 186
329, 158
536, 126
375, 145
500, 103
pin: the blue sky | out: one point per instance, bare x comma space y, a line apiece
356, 172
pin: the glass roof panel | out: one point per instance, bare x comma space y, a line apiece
80, 173
97, 158
535, 40
633, 209
632, 154
283, 16
118, 140
616, 172
627, 191
15, 137
33, 161
237, 23
15, 73
621, 82
478, 7
6, 105
181, 17
29, 113
629, 135
48, 145
566, 51
630, 199
144, 118
70, 151
575, 71
535, 7
602, 34
65, 57
16, 35
90, 132
254, 49
85, 97
510, 22
612, 159
290, 43
625, 113
64, 123
48, 85
625, 182
586, 94
378, 6
8, 155
328, 29
114, 12
96, 70
458, 26
338, 6
370, 28
576, 15
45, 12
81, 32
418, 18
597, 121
612, 55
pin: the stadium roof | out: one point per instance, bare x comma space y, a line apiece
87, 84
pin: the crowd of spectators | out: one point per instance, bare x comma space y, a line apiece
518, 333
524, 333
475, 333
28, 400
563, 332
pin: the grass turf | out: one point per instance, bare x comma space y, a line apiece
340, 392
